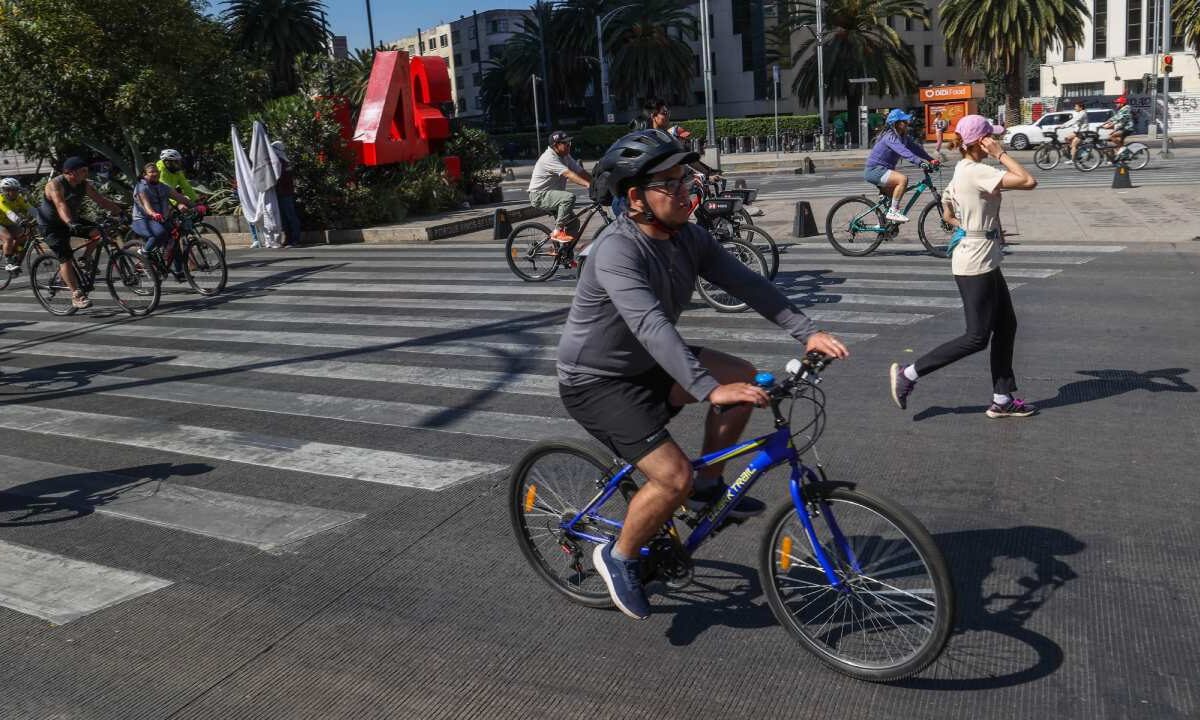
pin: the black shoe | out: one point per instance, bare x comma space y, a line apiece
747, 507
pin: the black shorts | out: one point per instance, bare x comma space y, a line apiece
628, 414
58, 239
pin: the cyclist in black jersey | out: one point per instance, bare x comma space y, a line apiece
59, 220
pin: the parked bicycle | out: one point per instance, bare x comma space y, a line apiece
856, 225
203, 266
534, 257
133, 284
29, 246
1093, 150
855, 578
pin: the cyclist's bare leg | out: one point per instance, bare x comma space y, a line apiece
668, 483
67, 271
724, 429
897, 185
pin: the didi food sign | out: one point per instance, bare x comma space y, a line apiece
400, 120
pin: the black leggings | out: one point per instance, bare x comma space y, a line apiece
989, 311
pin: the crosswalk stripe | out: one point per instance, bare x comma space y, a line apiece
483, 423
795, 253
353, 463
60, 589
265, 524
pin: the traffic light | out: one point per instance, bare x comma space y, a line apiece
1167, 62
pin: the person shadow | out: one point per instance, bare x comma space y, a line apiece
1102, 384
721, 594
61, 498
1002, 577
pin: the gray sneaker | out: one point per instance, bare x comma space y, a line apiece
902, 387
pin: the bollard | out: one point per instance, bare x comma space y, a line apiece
501, 227
809, 166
739, 184
510, 174
804, 224
1121, 178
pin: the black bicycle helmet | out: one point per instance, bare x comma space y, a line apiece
634, 158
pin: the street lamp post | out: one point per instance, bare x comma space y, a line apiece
370, 26
606, 99
819, 37
1166, 45
537, 126
706, 61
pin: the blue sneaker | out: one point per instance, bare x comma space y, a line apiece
624, 583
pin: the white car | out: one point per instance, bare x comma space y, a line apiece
1023, 137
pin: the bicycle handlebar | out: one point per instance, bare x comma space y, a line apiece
806, 370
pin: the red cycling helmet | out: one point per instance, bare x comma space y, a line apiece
1122, 100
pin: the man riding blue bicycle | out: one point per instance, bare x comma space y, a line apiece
624, 370
892, 145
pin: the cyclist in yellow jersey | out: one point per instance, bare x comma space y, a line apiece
170, 173
14, 210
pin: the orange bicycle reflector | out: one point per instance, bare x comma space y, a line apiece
514, 252
530, 497
785, 553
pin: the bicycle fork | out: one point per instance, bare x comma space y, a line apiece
820, 508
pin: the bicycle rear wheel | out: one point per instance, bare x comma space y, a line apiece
48, 286
855, 226
934, 231
714, 295
204, 266
133, 283
531, 254
1088, 158
549, 486
762, 240
892, 614
1047, 157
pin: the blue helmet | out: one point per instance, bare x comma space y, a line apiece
898, 115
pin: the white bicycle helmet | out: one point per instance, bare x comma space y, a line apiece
10, 184
170, 154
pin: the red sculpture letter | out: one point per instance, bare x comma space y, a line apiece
400, 120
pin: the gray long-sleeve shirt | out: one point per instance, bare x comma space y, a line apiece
631, 294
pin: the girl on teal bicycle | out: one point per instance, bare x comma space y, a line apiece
892, 145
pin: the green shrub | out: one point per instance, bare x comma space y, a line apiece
479, 156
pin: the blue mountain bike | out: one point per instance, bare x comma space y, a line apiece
854, 577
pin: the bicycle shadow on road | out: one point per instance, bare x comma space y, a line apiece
1002, 576
70, 497
1102, 385
721, 594
67, 376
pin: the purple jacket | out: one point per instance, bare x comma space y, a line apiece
890, 147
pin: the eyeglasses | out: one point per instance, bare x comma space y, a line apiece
674, 185
664, 113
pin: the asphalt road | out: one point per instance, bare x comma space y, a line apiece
289, 501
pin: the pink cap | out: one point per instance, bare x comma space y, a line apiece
973, 128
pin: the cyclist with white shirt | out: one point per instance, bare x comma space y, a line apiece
548, 185
972, 203
1077, 123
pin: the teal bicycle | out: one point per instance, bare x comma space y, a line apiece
856, 225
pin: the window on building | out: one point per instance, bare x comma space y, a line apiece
458, 83
1079, 90
1100, 28
462, 105
478, 102
699, 97
907, 23
740, 10
1069, 53
712, 59
445, 40
457, 59
1142, 87
928, 18
1133, 29
747, 53
495, 51
471, 32
474, 56
928, 56
712, 27
454, 36
949, 58
699, 70
477, 79
498, 26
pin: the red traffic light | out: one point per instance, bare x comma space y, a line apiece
1167, 63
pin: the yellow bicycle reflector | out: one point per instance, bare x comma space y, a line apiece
530, 496
785, 553
514, 252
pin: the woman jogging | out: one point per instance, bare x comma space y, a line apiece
940, 126
972, 203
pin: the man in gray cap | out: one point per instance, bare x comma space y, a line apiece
59, 219
548, 184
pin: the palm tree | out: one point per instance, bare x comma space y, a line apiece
355, 75
997, 35
500, 98
649, 56
859, 42
277, 31
1186, 16
577, 25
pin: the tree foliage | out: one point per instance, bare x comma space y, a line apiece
91, 81
277, 32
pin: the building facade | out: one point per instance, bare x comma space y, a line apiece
1118, 54
467, 44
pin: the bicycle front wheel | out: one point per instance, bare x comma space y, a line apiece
133, 283
1088, 158
765, 244
1139, 158
531, 254
210, 233
934, 231
549, 486
855, 226
716, 296
204, 266
891, 613
1047, 157
48, 286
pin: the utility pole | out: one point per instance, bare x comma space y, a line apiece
821, 73
1152, 130
706, 62
370, 26
606, 98
542, 57
1166, 88
537, 126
